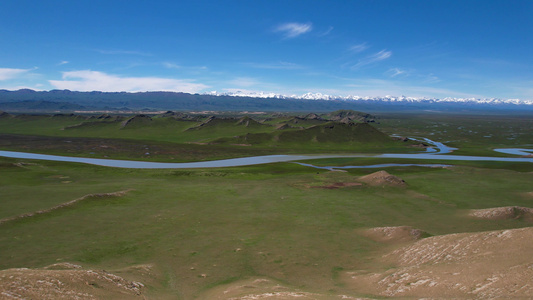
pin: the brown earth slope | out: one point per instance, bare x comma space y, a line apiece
263, 288
396, 234
503, 213
494, 264
66, 281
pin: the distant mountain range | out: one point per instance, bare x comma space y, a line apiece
26, 100
320, 96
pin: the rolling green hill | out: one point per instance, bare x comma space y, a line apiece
223, 136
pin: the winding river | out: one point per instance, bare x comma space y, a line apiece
437, 151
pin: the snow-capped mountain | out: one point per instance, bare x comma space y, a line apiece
391, 99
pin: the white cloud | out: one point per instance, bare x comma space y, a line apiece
87, 80
292, 30
64, 62
379, 56
358, 48
6, 73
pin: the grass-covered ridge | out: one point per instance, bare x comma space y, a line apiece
184, 137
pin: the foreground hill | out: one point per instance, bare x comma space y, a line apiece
484, 265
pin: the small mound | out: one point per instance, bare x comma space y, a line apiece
283, 126
248, 122
312, 116
3, 114
382, 178
397, 234
175, 115
137, 120
347, 116
503, 213
65, 281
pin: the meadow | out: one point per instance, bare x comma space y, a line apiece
187, 233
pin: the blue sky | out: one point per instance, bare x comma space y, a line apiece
423, 48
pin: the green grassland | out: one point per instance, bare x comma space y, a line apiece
201, 228
472, 134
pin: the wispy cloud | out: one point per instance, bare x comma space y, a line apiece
394, 72
64, 62
292, 30
326, 32
87, 80
122, 52
279, 65
358, 48
6, 73
376, 57
169, 65
431, 78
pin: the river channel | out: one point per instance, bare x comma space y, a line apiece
437, 151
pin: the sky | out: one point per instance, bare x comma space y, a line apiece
425, 48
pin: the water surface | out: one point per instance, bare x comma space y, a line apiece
439, 152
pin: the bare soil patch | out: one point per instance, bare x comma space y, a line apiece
396, 234
66, 281
494, 264
262, 288
382, 178
503, 213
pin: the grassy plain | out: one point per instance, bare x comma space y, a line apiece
205, 228
472, 134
